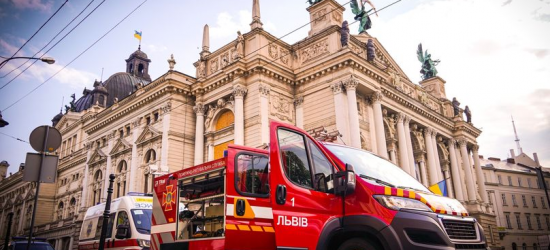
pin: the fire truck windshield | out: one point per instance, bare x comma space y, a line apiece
142, 220
369, 165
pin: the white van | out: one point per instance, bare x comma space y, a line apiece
129, 224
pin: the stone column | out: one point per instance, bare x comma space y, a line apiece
85, 187
372, 131
479, 173
239, 92
165, 129
436, 157
393, 156
455, 171
298, 104
341, 118
109, 166
199, 133
423, 173
353, 114
432, 170
264, 113
410, 154
401, 139
379, 124
470, 186
134, 165
211, 151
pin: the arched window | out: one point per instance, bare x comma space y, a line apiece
122, 166
225, 120
15, 223
535, 246
60, 211
121, 185
72, 206
97, 192
130, 68
524, 246
98, 175
140, 69
28, 216
150, 156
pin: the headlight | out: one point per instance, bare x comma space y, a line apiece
143, 243
397, 203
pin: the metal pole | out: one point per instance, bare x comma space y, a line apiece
106, 213
7, 239
543, 184
43, 156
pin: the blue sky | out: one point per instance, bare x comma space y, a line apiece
495, 54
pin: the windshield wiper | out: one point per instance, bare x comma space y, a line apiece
376, 180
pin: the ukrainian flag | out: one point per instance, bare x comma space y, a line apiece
440, 188
137, 35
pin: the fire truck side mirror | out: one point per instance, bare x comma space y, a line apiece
345, 181
123, 232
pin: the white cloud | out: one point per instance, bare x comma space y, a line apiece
33, 4
226, 25
495, 57
151, 48
73, 78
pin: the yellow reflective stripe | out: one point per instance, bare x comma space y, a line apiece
230, 227
269, 229
411, 195
256, 228
387, 190
243, 227
399, 192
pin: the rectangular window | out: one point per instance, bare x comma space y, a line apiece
539, 225
489, 197
514, 202
529, 182
510, 181
504, 200
252, 175
534, 201
121, 133
322, 168
74, 143
148, 120
156, 116
294, 158
518, 221
543, 202
508, 222
528, 218
127, 130
547, 221
519, 181
524, 200
499, 179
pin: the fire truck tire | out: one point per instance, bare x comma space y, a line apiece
358, 244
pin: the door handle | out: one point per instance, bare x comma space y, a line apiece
240, 207
281, 194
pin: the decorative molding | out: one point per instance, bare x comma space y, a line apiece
377, 96
239, 91
314, 51
264, 90
428, 132
281, 107
351, 83
273, 51
475, 148
462, 141
298, 101
337, 88
199, 108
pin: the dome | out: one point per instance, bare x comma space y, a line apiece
57, 118
139, 53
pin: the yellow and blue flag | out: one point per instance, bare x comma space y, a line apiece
440, 188
137, 35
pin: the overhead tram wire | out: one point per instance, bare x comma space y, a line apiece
13, 137
23, 71
48, 43
79, 55
60, 7
275, 59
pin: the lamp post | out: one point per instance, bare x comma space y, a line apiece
48, 60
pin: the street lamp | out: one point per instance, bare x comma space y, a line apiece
48, 60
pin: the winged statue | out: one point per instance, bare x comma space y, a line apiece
428, 65
358, 9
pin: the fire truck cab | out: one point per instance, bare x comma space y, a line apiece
304, 194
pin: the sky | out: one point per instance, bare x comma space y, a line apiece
495, 54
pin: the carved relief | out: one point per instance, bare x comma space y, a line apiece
214, 65
273, 50
356, 49
224, 59
284, 56
336, 16
317, 49
167, 107
281, 107
320, 16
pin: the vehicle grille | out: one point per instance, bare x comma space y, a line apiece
471, 246
460, 230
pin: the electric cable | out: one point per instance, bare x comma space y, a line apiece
109, 31
13, 137
48, 42
60, 7
23, 71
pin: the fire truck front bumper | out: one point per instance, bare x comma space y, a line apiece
411, 229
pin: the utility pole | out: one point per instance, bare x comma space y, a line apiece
8, 232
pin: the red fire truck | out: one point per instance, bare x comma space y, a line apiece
304, 194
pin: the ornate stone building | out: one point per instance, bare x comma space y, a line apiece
177, 121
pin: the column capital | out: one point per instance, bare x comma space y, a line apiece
199, 108
377, 96
407, 120
451, 141
298, 101
400, 117
239, 91
462, 141
336, 88
475, 148
264, 90
351, 83
428, 131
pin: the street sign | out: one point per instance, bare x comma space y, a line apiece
53, 140
32, 168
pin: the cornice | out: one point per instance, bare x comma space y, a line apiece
74, 162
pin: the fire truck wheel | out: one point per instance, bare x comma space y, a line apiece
358, 244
